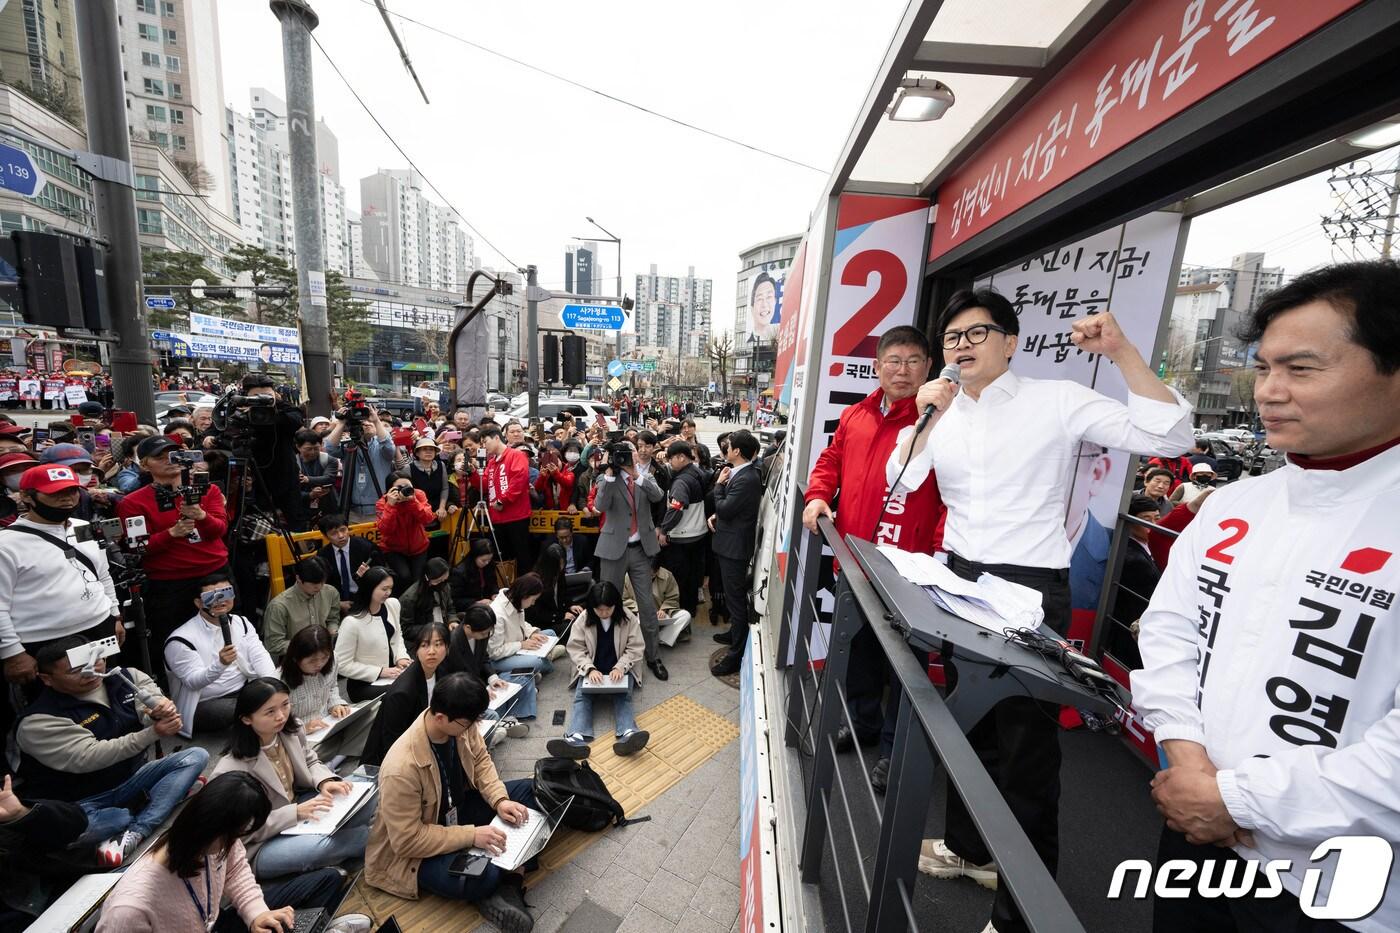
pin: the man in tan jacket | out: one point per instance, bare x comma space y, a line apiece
438, 793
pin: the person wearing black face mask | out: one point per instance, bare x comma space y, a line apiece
428, 600
59, 586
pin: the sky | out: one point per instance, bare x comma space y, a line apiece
526, 158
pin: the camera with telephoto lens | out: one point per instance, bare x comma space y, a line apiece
193, 485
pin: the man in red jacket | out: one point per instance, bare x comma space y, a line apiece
506, 482
851, 467
186, 541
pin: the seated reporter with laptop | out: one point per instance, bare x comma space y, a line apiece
438, 793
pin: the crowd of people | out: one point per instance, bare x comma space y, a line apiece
426, 594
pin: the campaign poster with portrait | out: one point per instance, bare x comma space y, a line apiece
765, 288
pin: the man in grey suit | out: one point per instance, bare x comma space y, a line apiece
627, 541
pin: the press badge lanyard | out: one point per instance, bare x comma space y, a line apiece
207, 912
449, 816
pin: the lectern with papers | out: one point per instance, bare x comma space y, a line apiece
994, 669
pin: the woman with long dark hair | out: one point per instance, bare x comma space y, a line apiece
178, 887
470, 653
267, 742
552, 611
474, 579
369, 646
606, 647
514, 633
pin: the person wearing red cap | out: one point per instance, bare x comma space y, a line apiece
51, 584
12, 466
12, 438
186, 541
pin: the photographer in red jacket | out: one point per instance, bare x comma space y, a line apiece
186, 541
852, 467
403, 515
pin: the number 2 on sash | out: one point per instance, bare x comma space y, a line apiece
1237, 528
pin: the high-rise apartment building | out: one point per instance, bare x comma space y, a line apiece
261, 173
410, 239
174, 87
672, 315
39, 55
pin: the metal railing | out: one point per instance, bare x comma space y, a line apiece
875, 848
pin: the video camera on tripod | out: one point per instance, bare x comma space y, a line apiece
354, 414
125, 542
194, 484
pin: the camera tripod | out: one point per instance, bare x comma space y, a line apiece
245, 473
353, 450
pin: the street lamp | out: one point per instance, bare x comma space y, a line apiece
618, 242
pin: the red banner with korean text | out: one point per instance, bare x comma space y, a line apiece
1154, 61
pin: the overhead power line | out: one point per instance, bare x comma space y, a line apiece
604, 94
407, 158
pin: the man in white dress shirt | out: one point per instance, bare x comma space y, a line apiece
1003, 448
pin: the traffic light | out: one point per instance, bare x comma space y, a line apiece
551, 359
574, 359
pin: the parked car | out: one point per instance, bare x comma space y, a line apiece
551, 407
405, 409
1229, 464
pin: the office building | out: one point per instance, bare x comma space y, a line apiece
578, 270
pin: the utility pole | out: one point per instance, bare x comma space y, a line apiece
114, 203
298, 20
532, 333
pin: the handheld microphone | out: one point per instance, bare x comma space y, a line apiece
951, 373
224, 629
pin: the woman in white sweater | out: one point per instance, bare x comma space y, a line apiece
513, 633
369, 646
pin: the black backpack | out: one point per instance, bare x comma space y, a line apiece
594, 807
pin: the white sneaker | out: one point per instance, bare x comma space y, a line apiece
109, 853
513, 728
557, 652
350, 923
986, 929
498, 735
130, 843
938, 861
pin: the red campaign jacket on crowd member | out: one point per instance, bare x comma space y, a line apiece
170, 558
1159, 544
1178, 467
852, 465
557, 488
507, 480
401, 525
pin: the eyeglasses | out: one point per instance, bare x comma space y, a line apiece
975, 334
894, 364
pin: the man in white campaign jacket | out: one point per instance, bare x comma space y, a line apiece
1271, 648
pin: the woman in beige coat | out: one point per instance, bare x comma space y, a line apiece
604, 649
268, 743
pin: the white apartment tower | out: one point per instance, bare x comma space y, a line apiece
409, 239
672, 314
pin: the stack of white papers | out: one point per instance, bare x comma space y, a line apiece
989, 601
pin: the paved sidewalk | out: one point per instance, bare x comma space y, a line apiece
678, 872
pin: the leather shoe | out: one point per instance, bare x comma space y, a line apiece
880, 776
844, 740
659, 669
729, 664
721, 638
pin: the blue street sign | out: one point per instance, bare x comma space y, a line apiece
592, 317
615, 368
18, 173
160, 302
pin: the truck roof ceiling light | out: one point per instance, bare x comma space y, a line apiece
918, 100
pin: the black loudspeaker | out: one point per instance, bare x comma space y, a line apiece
48, 280
575, 357
92, 286
551, 359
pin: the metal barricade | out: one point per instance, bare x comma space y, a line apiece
874, 848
